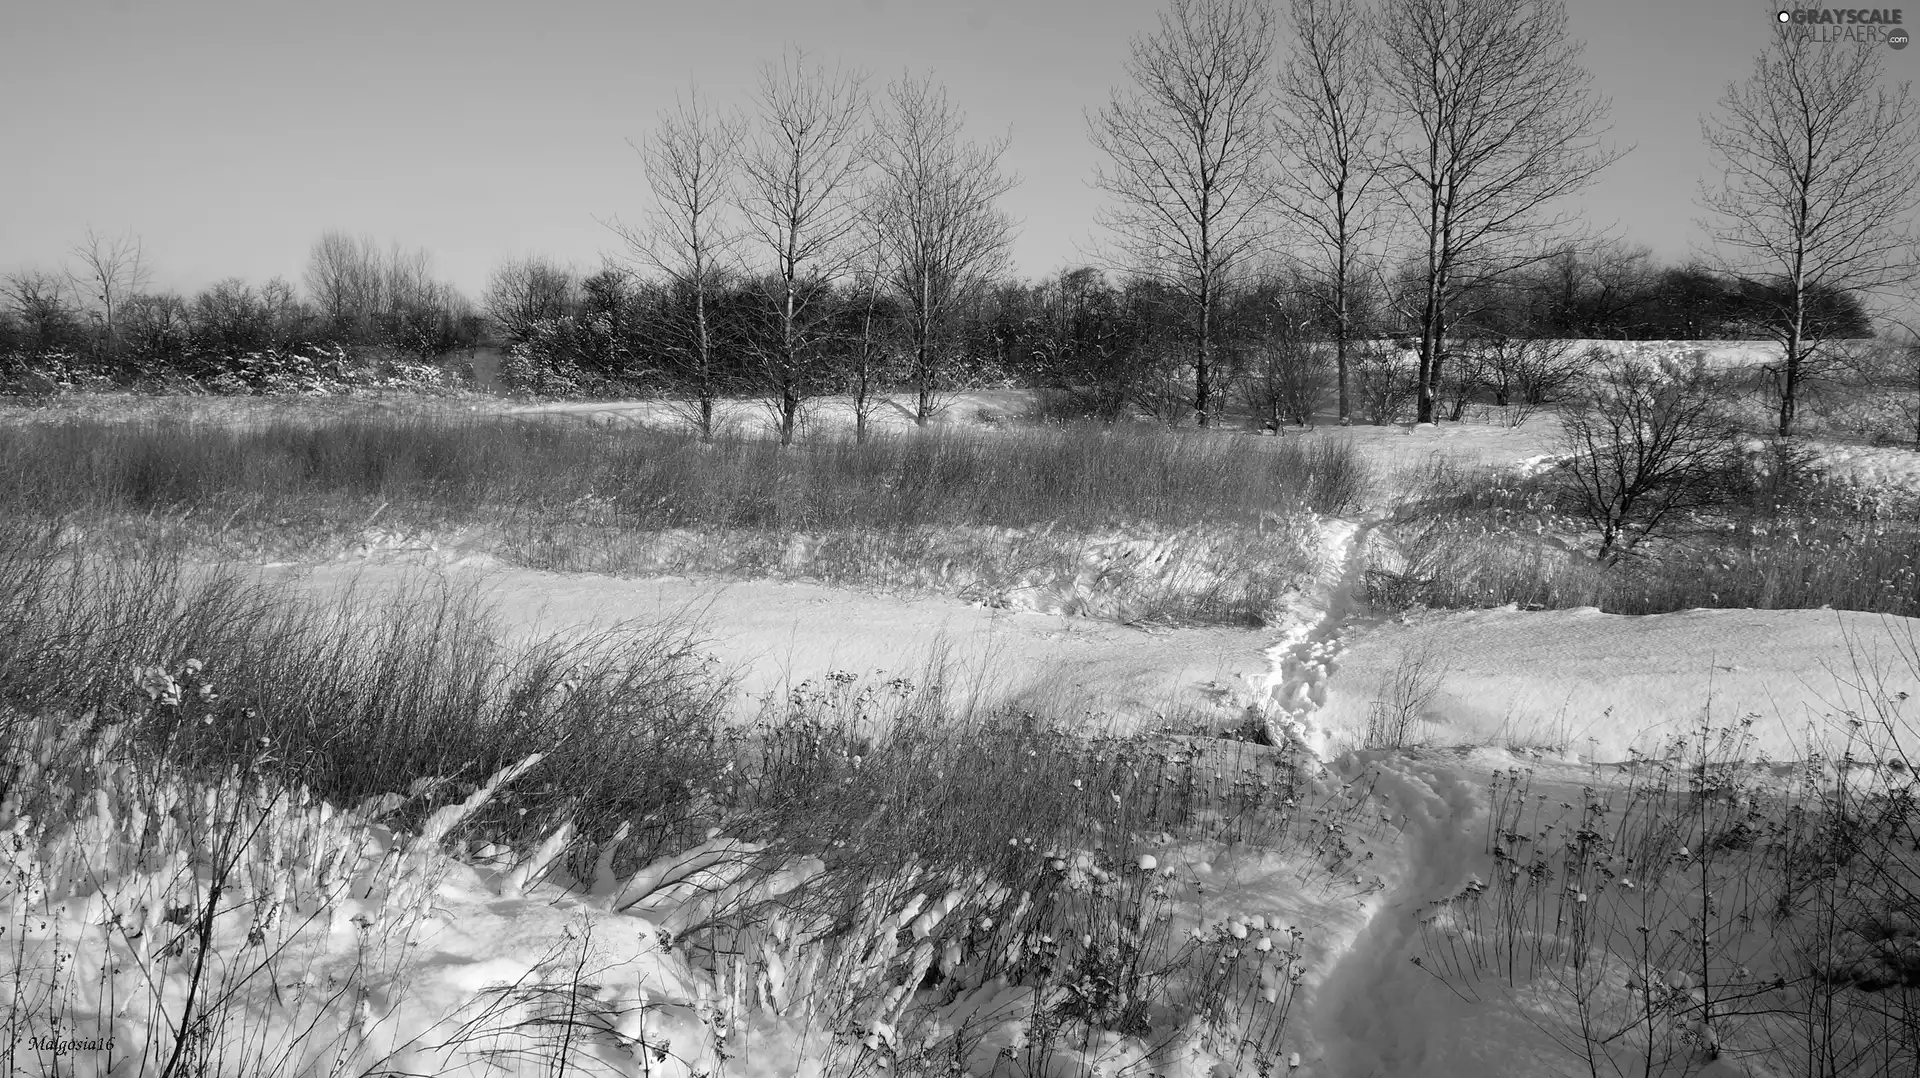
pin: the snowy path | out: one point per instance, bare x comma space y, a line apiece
1300, 663
1376, 1013
1373, 1012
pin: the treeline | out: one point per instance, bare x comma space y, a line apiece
366, 315
1113, 343
1110, 344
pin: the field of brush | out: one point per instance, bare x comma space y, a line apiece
296, 783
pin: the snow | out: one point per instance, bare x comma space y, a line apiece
777, 634
486, 944
1555, 689
1888, 468
1581, 684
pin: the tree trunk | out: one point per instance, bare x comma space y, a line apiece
923, 354
788, 369
1790, 382
1202, 390
789, 415
1340, 331
923, 378
1790, 378
704, 374
1429, 324
860, 404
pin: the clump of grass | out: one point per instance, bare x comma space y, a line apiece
355, 700
1393, 722
1048, 850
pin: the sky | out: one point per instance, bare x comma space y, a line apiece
228, 134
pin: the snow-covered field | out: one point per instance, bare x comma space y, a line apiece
351, 949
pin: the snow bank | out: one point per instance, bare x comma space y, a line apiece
1593, 686
776, 634
1884, 467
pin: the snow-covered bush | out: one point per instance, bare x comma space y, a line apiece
49, 374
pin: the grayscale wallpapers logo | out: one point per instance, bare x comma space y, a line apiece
1863, 26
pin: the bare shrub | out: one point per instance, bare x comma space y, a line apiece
1416, 681
1642, 446
1384, 382
1532, 373
1289, 379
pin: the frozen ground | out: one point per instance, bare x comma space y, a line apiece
1561, 692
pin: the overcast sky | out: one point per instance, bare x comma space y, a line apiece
230, 133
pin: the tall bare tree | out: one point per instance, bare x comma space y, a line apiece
934, 207
344, 279
1499, 125
112, 268
690, 238
1330, 126
800, 170
1819, 167
1188, 149
408, 283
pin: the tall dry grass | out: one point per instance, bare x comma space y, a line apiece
988, 514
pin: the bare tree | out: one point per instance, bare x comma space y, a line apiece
1641, 448
1287, 375
689, 238
155, 330
418, 313
407, 280
112, 268
868, 353
799, 175
523, 291
1330, 127
934, 208
1582, 291
42, 306
1819, 177
344, 278
1500, 125
1188, 152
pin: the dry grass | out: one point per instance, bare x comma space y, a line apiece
983, 513
1480, 538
